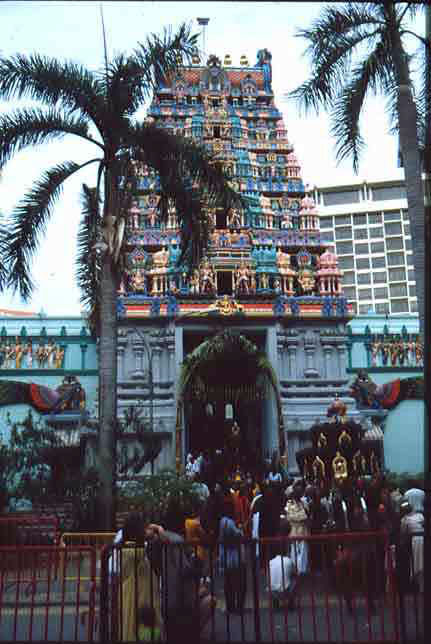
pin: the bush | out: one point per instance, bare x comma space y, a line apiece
166, 498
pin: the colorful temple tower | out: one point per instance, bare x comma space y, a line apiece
266, 273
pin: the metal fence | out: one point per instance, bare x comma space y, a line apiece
349, 593
43, 600
357, 588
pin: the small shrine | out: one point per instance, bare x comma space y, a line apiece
342, 451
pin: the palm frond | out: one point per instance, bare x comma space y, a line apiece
30, 127
159, 56
50, 81
371, 74
123, 80
28, 224
88, 265
333, 40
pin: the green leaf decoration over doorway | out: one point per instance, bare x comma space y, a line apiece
226, 368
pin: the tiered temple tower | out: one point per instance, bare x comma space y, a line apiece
266, 272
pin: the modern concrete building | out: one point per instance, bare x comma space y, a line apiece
369, 226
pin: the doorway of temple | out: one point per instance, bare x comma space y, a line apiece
225, 383
229, 434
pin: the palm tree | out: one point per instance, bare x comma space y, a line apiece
99, 107
355, 50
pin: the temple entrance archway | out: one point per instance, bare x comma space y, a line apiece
226, 379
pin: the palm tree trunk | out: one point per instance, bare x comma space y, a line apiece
107, 391
412, 169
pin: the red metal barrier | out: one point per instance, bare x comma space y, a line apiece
36, 604
347, 593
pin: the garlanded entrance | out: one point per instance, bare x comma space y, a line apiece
226, 369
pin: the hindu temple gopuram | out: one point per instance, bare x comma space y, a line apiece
268, 290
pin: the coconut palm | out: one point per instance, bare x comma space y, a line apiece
359, 49
99, 107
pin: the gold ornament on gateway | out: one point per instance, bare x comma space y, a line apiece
226, 306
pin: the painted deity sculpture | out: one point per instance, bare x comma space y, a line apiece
242, 279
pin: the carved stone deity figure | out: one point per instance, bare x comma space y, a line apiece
29, 354
234, 218
419, 354
58, 357
160, 259
194, 282
375, 348
41, 355
19, 353
385, 353
242, 278
49, 352
306, 281
394, 353
139, 280
9, 355
286, 221
207, 278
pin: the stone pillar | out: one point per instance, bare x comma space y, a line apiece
157, 370
138, 354
292, 347
341, 348
327, 350
120, 361
310, 351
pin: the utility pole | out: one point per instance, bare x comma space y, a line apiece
427, 325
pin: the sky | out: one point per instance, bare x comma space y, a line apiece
72, 30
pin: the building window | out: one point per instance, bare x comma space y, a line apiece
408, 244
398, 290
376, 232
365, 308
392, 215
393, 229
397, 274
361, 249
412, 290
382, 308
395, 258
362, 262
350, 292
394, 243
365, 294
388, 192
343, 220
380, 277
407, 229
380, 293
377, 247
405, 215
326, 222
378, 262
340, 197
375, 218
364, 278
345, 262
361, 233
409, 259
344, 248
354, 308
399, 306
360, 220
413, 306
343, 233
328, 235
411, 275
348, 277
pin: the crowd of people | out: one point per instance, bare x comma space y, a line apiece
229, 511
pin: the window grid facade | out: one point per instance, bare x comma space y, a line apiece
373, 243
